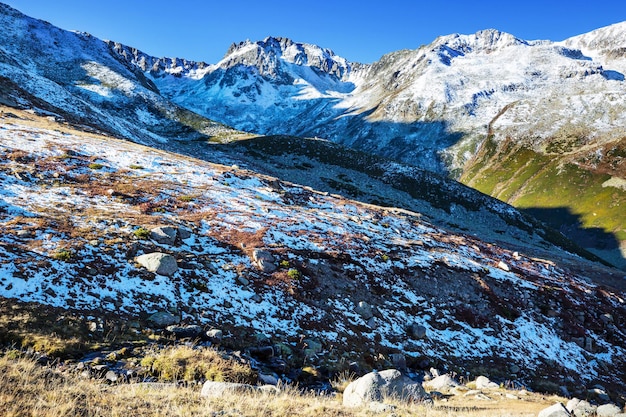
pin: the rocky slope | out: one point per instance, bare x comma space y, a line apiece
109, 228
456, 105
524, 121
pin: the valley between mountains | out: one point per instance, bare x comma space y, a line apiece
300, 213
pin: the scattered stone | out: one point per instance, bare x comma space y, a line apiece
557, 410
364, 310
442, 382
608, 410
184, 233
165, 235
503, 266
159, 263
416, 331
264, 260
580, 408
482, 397
162, 319
214, 335
183, 332
471, 392
268, 379
599, 394
511, 396
482, 382
111, 376
375, 386
213, 389
514, 368
243, 281
398, 360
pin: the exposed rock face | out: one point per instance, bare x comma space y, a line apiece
159, 263
375, 386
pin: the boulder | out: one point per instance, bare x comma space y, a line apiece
441, 383
183, 332
364, 310
608, 410
482, 382
162, 319
376, 386
557, 410
580, 408
264, 260
159, 263
165, 235
213, 389
214, 335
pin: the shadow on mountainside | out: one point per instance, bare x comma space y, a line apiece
593, 239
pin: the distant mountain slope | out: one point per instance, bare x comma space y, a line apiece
537, 124
275, 264
77, 77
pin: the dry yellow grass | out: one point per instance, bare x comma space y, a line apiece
28, 389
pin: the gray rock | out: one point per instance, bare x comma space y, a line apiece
482, 382
159, 263
376, 386
213, 389
416, 331
162, 319
580, 408
184, 233
264, 260
182, 332
214, 335
165, 235
441, 383
557, 410
364, 310
398, 360
111, 376
608, 410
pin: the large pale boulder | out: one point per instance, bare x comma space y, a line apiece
376, 386
556, 410
214, 389
159, 263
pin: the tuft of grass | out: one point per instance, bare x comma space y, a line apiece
141, 233
95, 166
135, 166
196, 363
64, 255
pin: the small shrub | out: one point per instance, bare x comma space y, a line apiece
62, 255
141, 233
186, 198
95, 166
134, 166
284, 264
294, 274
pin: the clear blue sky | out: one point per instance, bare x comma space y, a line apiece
358, 30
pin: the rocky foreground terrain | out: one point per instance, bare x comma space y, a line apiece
119, 243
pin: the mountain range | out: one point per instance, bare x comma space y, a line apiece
289, 192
